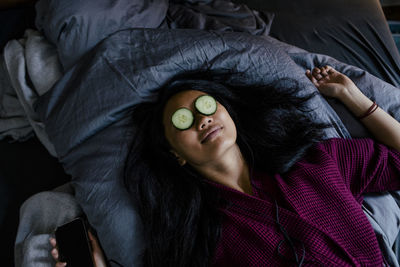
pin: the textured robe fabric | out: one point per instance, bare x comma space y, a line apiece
319, 206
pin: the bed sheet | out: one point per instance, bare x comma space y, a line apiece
355, 32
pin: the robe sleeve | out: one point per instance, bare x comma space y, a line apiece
366, 165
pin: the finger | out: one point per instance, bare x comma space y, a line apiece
329, 69
324, 73
54, 253
98, 255
313, 80
53, 241
61, 264
308, 73
91, 237
316, 71
93, 241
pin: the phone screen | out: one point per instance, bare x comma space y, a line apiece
73, 244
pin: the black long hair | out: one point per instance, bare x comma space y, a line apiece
179, 210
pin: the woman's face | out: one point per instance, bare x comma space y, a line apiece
209, 137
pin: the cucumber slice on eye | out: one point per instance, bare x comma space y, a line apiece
182, 119
206, 105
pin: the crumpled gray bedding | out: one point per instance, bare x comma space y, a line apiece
87, 111
75, 27
30, 69
383, 212
39, 217
13, 120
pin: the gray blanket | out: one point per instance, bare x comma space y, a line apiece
39, 217
75, 27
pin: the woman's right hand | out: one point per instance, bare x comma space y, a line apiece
98, 256
54, 253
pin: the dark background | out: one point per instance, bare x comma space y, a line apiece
25, 167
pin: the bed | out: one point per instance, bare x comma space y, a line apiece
122, 66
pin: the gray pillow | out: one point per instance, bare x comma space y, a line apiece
76, 26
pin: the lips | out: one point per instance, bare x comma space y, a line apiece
210, 133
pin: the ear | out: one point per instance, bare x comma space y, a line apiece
180, 160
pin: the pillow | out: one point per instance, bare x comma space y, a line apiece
220, 15
76, 26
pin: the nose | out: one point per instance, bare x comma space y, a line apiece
204, 121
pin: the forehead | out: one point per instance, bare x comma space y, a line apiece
182, 99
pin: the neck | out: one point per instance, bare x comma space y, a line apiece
230, 170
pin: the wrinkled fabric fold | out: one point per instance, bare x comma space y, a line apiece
76, 27
32, 66
219, 15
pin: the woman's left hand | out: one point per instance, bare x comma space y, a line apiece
330, 82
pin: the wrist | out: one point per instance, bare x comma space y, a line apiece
355, 101
349, 93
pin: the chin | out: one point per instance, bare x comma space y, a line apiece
223, 147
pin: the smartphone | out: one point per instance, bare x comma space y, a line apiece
73, 243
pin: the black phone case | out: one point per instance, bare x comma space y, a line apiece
73, 243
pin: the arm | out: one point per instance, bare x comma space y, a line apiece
335, 84
365, 165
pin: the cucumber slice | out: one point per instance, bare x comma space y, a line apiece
206, 105
182, 119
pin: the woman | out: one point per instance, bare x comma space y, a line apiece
259, 187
